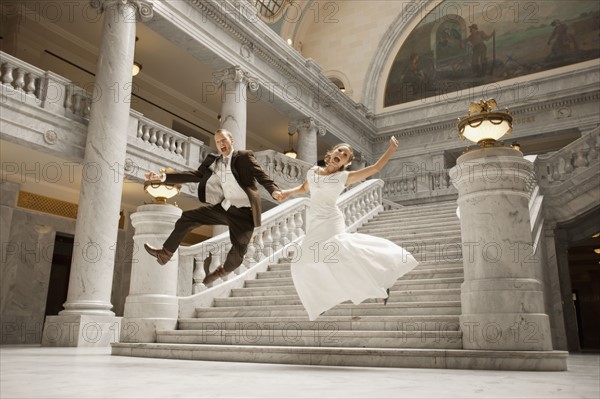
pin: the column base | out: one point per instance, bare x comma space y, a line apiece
137, 330
506, 331
81, 330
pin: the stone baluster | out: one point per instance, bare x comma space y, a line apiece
68, 97
146, 132
19, 82
291, 229
249, 259
268, 242
260, 245
581, 158
568, 164
7, 74
299, 223
285, 233
198, 275
30, 86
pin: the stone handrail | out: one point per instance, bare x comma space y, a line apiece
555, 168
278, 237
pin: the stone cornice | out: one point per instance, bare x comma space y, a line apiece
450, 124
442, 116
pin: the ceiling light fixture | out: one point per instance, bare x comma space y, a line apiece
291, 152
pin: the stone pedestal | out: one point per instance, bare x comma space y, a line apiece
502, 301
307, 130
80, 330
152, 301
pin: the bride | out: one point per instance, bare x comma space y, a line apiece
334, 266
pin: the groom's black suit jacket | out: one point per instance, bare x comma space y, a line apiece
246, 171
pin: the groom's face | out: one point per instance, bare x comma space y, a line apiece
224, 144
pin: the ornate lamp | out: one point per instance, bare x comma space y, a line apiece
484, 126
160, 191
291, 152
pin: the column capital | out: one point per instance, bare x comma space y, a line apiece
144, 11
295, 126
235, 74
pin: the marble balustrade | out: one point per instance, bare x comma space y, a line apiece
575, 157
410, 187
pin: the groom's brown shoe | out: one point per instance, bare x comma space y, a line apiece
162, 255
218, 273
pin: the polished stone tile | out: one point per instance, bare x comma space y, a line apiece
36, 372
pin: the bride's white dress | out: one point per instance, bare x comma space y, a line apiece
333, 266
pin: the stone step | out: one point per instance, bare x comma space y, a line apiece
418, 216
437, 219
407, 225
447, 205
416, 295
364, 309
417, 284
410, 234
323, 338
359, 357
282, 278
276, 267
339, 323
415, 215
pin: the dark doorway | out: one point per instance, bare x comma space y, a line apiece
584, 268
59, 274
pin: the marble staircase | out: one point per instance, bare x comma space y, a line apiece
419, 327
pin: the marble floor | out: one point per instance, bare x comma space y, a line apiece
36, 372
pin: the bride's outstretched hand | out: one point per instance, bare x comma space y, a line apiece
394, 143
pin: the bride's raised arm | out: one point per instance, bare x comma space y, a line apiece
359, 175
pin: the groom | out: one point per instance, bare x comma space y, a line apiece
227, 188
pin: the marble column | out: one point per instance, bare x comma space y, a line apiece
235, 83
502, 301
96, 230
307, 130
152, 301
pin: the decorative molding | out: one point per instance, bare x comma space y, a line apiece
50, 137
143, 8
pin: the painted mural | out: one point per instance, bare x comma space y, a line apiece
465, 44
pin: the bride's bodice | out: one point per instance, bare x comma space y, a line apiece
324, 191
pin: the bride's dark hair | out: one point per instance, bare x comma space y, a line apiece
327, 157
